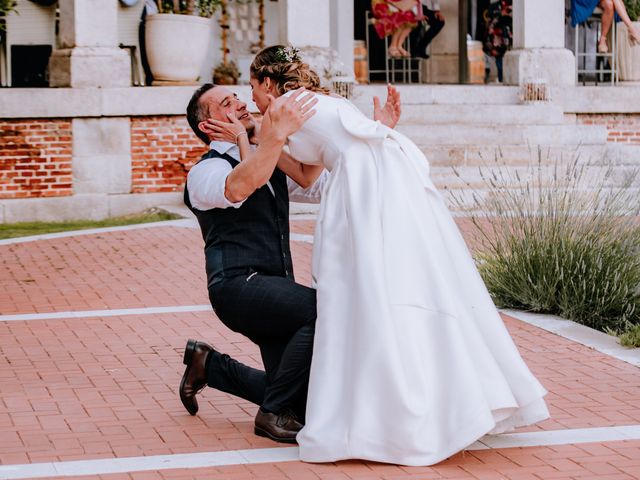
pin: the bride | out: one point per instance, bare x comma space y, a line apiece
411, 362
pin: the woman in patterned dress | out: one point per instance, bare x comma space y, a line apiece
396, 18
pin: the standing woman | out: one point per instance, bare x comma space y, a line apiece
396, 18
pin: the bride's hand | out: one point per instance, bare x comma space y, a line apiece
288, 114
390, 113
225, 131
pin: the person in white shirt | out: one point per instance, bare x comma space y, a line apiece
421, 37
241, 203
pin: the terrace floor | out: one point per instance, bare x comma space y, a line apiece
92, 330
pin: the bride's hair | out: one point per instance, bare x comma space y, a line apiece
285, 68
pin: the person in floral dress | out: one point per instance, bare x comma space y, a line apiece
395, 18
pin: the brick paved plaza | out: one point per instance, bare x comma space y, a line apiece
85, 385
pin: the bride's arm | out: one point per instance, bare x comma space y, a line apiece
301, 173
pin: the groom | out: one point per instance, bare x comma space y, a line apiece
243, 212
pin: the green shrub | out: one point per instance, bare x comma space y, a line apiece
633, 9
561, 239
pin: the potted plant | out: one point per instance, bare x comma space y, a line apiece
628, 55
6, 6
177, 39
226, 73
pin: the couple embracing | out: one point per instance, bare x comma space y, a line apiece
397, 354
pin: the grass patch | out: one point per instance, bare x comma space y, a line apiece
631, 337
562, 239
24, 229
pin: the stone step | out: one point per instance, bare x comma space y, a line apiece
441, 94
501, 135
480, 115
478, 155
479, 178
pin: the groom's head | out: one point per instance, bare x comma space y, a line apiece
214, 101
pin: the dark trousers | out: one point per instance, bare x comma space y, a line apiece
279, 316
420, 37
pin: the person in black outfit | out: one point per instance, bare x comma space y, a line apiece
421, 37
243, 212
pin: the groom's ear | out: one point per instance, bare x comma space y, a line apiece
203, 128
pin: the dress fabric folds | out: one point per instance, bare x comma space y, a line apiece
412, 362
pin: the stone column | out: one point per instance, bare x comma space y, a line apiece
89, 55
538, 41
442, 66
342, 31
101, 155
307, 23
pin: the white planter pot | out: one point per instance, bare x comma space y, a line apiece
628, 56
177, 46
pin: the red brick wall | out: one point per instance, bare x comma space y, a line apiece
620, 127
163, 149
35, 158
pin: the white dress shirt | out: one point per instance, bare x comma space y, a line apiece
432, 4
206, 182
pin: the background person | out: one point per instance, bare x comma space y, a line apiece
426, 31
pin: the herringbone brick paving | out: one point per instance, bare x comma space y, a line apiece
88, 388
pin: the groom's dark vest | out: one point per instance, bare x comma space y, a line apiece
251, 238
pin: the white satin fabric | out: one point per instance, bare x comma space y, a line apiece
411, 361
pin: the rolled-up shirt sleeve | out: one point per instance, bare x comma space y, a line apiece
312, 194
206, 184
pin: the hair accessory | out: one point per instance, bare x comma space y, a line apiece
287, 54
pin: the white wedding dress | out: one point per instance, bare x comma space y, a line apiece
411, 361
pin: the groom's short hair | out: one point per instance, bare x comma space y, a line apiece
196, 112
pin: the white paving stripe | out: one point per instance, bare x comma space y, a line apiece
301, 237
290, 454
104, 313
184, 223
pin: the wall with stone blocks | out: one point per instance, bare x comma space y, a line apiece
35, 158
621, 128
68, 153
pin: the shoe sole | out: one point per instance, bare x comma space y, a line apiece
263, 433
188, 356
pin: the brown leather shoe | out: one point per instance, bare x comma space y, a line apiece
195, 375
281, 427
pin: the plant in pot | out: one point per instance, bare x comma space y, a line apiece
6, 6
177, 39
629, 55
226, 73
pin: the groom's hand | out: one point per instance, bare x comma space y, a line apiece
388, 115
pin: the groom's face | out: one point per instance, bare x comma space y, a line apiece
221, 101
